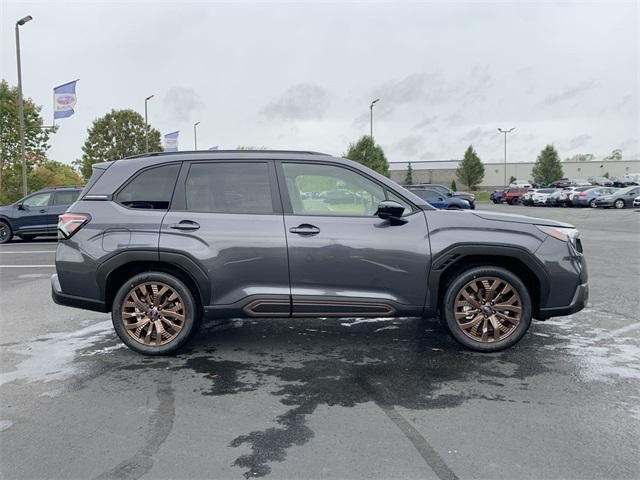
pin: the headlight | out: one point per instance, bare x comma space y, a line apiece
563, 234
473, 197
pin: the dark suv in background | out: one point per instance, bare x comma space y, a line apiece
37, 213
164, 240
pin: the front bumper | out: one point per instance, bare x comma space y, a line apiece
73, 301
579, 301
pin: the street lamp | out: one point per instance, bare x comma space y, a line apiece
505, 151
23, 158
195, 136
371, 114
146, 125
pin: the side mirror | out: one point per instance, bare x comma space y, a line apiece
390, 210
21, 206
441, 199
449, 194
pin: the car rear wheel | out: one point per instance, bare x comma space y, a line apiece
619, 203
453, 207
154, 313
5, 232
487, 309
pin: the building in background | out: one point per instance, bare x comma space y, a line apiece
444, 171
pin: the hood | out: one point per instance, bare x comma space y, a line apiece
513, 218
462, 194
5, 208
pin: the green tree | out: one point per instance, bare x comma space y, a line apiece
471, 170
616, 154
119, 134
454, 187
50, 173
547, 168
512, 179
36, 141
408, 179
366, 152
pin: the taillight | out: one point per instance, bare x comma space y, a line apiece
70, 223
582, 195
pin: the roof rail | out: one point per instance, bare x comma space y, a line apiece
62, 186
203, 152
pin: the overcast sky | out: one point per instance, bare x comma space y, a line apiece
301, 75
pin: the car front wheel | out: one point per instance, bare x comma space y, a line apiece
487, 309
619, 203
154, 313
593, 204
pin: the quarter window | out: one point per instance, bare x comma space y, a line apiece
239, 187
152, 189
329, 190
39, 200
65, 197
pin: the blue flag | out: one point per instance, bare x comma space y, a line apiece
64, 99
171, 141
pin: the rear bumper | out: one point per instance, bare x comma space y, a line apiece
579, 301
73, 301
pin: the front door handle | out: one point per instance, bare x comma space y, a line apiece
305, 229
43, 211
185, 225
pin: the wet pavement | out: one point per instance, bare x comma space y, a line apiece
348, 398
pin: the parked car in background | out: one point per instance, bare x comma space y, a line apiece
581, 182
620, 198
587, 198
540, 197
562, 183
521, 184
447, 192
602, 181
624, 182
555, 198
527, 197
438, 200
636, 202
36, 214
571, 197
512, 195
497, 196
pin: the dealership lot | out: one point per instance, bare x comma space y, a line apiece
326, 398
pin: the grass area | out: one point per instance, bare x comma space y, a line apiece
482, 196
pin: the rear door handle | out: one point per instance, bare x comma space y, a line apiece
305, 229
185, 225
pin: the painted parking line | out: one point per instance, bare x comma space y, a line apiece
27, 266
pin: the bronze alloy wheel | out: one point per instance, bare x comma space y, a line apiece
153, 313
488, 309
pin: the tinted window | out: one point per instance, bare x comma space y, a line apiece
428, 195
151, 189
237, 187
39, 200
65, 197
330, 190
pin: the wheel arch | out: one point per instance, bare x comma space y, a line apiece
515, 259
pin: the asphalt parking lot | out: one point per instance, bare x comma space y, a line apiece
355, 398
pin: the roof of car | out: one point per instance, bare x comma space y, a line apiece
228, 153
62, 187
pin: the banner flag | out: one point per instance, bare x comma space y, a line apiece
64, 99
171, 141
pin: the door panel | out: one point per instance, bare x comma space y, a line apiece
358, 261
35, 213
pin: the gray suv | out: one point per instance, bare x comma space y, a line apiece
164, 240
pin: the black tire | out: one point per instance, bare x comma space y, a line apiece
27, 238
619, 203
453, 207
188, 304
592, 203
6, 234
448, 308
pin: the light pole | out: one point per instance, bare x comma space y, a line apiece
146, 125
23, 158
371, 115
505, 151
195, 136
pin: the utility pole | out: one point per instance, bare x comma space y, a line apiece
371, 115
195, 136
505, 151
23, 158
146, 125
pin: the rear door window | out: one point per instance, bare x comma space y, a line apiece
65, 197
238, 187
151, 189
